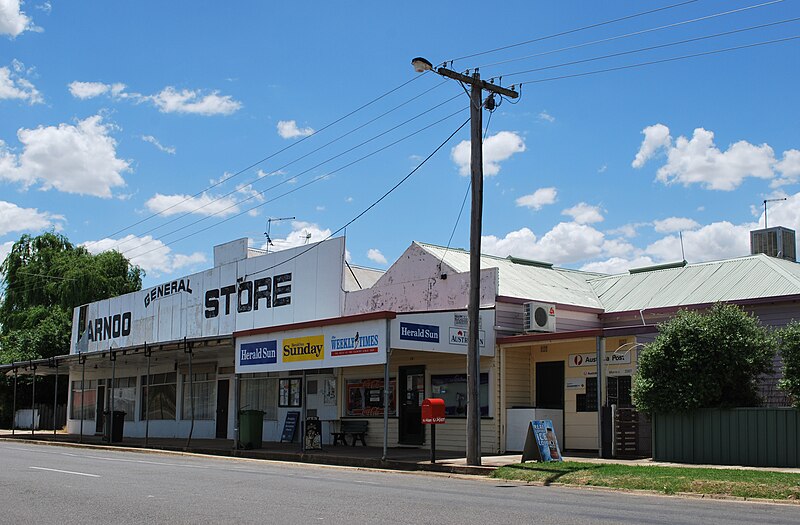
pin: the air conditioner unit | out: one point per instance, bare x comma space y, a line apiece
539, 317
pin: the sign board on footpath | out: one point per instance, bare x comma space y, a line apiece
541, 443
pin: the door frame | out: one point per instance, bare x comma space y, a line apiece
403, 437
222, 410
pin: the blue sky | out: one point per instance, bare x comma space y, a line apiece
124, 124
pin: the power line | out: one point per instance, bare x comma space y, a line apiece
576, 30
650, 48
278, 169
254, 164
316, 179
368, 208
634, 33
661, 61
258, 194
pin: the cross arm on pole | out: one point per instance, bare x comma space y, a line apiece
488, 86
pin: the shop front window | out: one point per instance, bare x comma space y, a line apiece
259, 393
202, 390
290, 392
162, 393
84, 400
125, 396
453, 389
365, 398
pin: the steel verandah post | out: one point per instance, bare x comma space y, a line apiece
113, 358
55, 396
147, 352
33, 399
82, 360
386, 392
188, 349
14, 406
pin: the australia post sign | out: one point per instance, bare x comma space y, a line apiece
442, 332
285, 287
351, 344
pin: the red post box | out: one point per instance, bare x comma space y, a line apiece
433, 411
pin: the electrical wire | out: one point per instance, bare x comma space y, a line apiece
261, 193
571, 31
316, 179
634, 33
650, 48
254, 164
661, 61
368, 208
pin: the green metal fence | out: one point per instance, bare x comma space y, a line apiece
759, 437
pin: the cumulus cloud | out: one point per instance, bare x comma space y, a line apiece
538, 199
13, 21
16, 219
151, 254
302, 233
375, 255
204, 204
288, 129
616, 265
583, 213
80, 158
5, 249
627, 230
675, 224
699, 161
655, 138
154, 141
567, 242
170, 100
718, 240
496, 149
15, 86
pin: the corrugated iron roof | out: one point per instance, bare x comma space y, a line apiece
527, 280
360, 277
750, 277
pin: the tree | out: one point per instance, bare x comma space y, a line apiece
703, 360
790, 354
45, 277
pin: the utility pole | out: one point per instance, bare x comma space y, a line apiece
476, 220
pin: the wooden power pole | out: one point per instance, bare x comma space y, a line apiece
476, 220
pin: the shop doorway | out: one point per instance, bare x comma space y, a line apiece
100, 408
223, 386
412, 392
550, 385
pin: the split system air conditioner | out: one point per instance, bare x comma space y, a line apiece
539, 317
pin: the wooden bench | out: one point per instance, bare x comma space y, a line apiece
356, 429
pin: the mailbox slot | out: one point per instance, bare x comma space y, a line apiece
433, 411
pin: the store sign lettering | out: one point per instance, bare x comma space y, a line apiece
180, 285
424, 333
269, 292
304, 349
110, 327
358, 344
579, 360
460, 336
261, 353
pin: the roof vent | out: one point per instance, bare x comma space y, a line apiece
529, 262
666, 266
776, 242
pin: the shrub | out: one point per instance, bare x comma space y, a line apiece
790, 354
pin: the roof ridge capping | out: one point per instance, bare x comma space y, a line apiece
529, 262
656, 267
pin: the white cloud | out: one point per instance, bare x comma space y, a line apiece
151, 254
170, 100
583, 213
288, 129
496, 149
718, 240
80, 158
544, 115
84, 90
784, 213
627, 230
13, 21
14, 85
302, 233
154, 141
616, 265
789, 168
375, 255
203, 204
699, 161
603, 168
539, 198
567, 242
5, 249
16, 219
617, 248
675, 224
655, 138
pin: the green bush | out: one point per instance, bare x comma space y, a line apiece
790, 354
706, 359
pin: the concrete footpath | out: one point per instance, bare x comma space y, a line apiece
397, 458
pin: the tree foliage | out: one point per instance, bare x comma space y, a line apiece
704, 360
44, 278
790, 354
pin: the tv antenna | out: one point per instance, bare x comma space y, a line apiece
306, 236
269, 228
765, 208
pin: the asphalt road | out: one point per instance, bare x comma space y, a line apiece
62, 485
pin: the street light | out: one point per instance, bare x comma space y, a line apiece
477, 86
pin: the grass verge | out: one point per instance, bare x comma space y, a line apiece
669, 480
